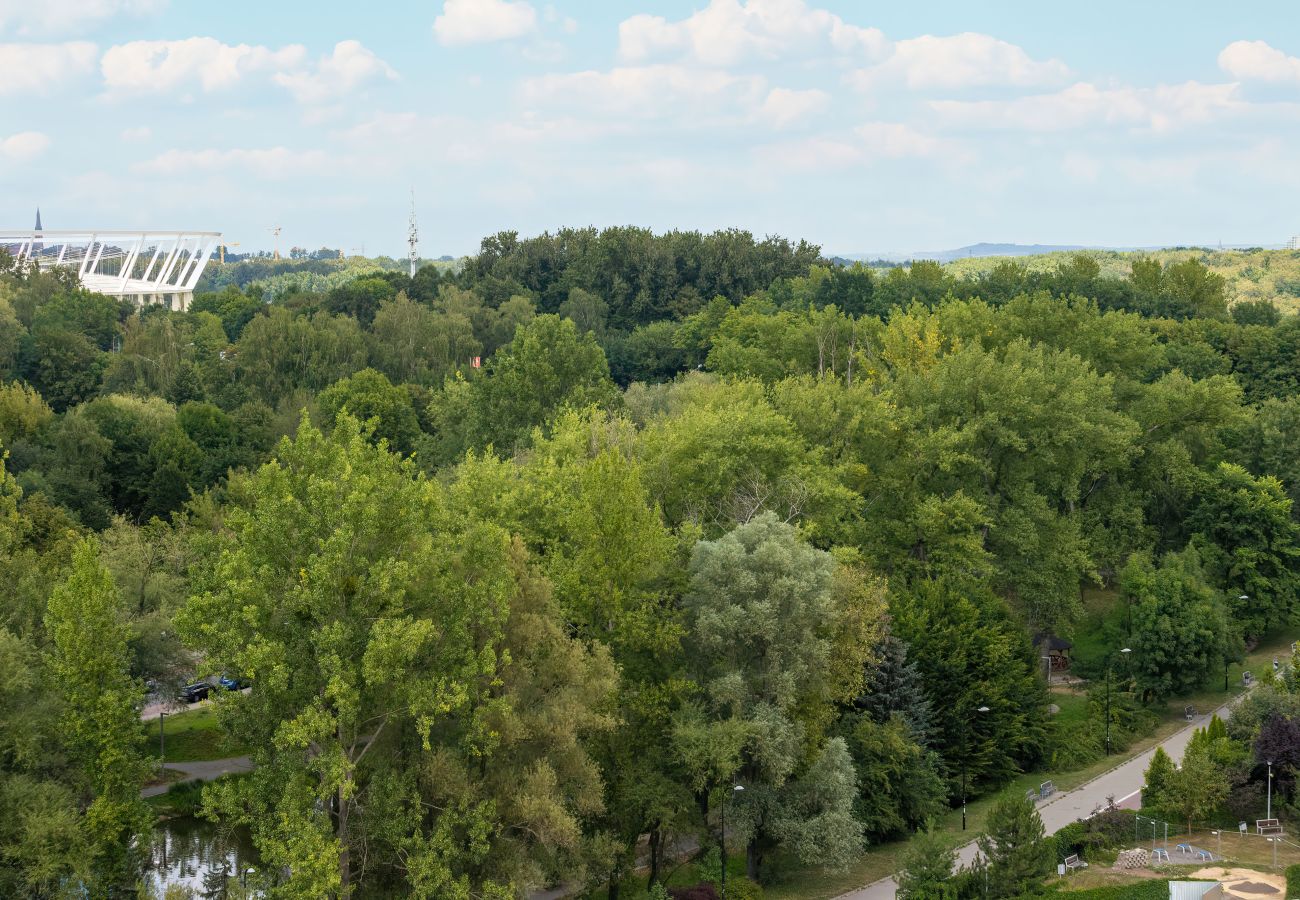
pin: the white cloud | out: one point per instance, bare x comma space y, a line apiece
67, 16
961, 60
208, 64
136, 134
160, 66
784, 107
1258, 61
1160, 108
727, 32
867, 143
347, 68
23, 146
270, 162
647, 91
36, 68
480, 21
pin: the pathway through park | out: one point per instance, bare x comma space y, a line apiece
1122, 782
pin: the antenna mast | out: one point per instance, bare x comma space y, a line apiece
412, 237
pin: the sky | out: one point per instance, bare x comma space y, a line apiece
861, 126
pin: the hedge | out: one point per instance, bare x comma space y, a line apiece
1142, 890
1293, 881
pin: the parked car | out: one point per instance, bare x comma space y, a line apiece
193, 693
233, 683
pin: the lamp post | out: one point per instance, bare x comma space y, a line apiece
1047, 669
735, 789
1108, 667
965, 767
243, 876
1269, 813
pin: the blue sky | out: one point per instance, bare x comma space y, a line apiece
860, 126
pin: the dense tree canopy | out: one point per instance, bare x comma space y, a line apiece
533, 560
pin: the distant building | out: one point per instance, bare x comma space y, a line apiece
1294, 243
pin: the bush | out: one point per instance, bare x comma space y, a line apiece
743, 889
703, 891
1145, 890
1112, 828
1293, 881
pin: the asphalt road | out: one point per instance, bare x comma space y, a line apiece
1122, 783
205, 770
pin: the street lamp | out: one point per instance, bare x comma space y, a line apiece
735, 789
243, 876
1108, 667
1269, 813
965, 767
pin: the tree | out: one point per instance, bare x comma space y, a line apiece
1157, 781
1016, 848
761, 605
101, 727
1198, 786
1179, 631
415, 694
971, 653
376, 401
546, 367
926, 867
1251, 544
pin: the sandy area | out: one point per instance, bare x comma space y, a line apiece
1246, 884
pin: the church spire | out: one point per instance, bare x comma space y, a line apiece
38, 219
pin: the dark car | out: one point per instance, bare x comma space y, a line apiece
231, 683
193, 693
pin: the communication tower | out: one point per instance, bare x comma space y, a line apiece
412, 238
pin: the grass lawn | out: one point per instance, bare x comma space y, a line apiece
192, 736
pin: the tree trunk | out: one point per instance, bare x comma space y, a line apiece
345, 860
753, 858
613, 886
656, 855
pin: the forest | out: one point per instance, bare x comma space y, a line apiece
532, 561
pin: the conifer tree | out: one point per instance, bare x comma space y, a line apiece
1015, 845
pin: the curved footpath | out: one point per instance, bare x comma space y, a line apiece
1122, 782
203, 770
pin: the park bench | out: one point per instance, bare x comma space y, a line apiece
1268, 826
1247, 678
1189, 712
1046, 789
1073, 862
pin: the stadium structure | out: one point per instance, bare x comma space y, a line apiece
145, 265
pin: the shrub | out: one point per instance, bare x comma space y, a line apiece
1293, 881
698, 892
1112, 828
743, 889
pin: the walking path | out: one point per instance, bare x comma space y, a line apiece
206, 770
1122, 782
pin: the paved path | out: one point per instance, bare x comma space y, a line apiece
206, 770
1122, 782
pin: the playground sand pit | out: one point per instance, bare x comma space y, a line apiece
1246, 884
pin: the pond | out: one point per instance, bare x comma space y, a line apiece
197, 854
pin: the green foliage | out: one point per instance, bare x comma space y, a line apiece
378, 403
926, 867
1179, 631
547, 367
1019, 855
100, 725
1158, 781
970, 653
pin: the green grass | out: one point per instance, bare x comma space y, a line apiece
192, 736
183, 799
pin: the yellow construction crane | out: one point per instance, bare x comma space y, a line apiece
223, 250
